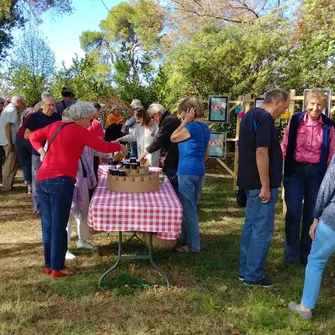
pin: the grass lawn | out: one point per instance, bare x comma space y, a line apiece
205, 298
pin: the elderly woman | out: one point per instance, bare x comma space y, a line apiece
322, 232
308, 146
143, 135
57, 176
192, 137
114, 122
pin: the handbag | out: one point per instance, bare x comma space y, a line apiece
241, 197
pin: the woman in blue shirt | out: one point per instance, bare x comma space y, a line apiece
192, 137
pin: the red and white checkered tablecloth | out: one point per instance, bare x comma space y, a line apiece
159, 211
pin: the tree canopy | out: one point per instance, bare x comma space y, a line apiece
14, 13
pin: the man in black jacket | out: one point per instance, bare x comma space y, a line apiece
167, 124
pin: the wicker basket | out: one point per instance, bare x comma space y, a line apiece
160, 244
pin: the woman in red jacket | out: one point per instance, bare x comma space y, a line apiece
57, 176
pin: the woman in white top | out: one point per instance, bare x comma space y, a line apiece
143, 134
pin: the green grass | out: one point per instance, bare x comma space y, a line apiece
205, 295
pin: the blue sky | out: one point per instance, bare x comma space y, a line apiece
63, 32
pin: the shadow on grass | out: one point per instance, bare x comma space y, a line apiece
16, 249
18, 212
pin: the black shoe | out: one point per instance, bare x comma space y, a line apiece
265, 282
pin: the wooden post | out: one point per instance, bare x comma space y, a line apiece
238, 121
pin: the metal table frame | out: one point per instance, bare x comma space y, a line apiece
135, 257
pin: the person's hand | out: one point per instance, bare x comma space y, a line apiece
149, 131
312, 228
190, 115
42, 157
265, 195
117, 140
142, 157
11, 147
124, 150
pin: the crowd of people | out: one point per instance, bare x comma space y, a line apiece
59, 145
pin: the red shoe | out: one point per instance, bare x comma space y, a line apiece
47, 271
55, 274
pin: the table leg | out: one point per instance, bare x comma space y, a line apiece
135, 257
116, 262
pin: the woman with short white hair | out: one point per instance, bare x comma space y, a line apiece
57, 176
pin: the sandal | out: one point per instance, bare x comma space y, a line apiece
185, 249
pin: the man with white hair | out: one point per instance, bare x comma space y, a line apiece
40, 120
167, 124
9, 126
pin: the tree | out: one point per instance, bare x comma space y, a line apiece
234, 60
311, 62
15, 13
186, 17
32, 68
129, 40
89, 78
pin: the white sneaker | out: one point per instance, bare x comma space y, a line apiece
69, 256
86, 245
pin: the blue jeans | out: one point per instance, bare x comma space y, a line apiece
256, 234
55, 196
35, 166
303, 184
133, 149
189, 191
24, 149
322, 247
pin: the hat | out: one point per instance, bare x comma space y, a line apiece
136, 104
2, 100
67, 90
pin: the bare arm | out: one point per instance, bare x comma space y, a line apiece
181, 134
262, 161
206, 154
8, 132
27, 134
8, 129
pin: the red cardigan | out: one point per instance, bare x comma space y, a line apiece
63, 157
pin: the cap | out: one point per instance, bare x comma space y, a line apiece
136, 104
67, 90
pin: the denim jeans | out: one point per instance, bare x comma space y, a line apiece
55, 196
189, 191
24, 149
322, 247
256, 234
35, 165
303, 184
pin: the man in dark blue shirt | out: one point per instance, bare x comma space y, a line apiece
40, 120
260, 171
